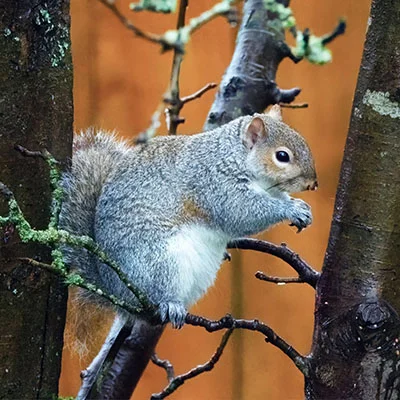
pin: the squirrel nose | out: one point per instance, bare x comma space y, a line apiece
313, 186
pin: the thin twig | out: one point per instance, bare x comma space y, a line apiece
277, 279
165, 364
151, 37
306, 273
34, 154
80, 282
208, 366
228, 322
298, 105
55, 179
173, 97
199, 93
339, 30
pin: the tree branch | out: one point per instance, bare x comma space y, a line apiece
54, 237
172, 97
165, 364
151, 37
306, 273
178, 381
249, 87
339, 30
55, 177
228, 322
276, 279
199, 93
298, 105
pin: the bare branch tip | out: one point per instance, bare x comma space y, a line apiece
5, 191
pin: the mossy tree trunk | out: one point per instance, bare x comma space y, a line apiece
36, 112
356, 349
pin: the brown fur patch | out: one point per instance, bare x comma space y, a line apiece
191, 212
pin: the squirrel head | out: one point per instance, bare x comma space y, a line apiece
278, 156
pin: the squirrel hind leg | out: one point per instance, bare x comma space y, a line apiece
173, 312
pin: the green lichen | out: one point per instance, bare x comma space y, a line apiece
55, 179
182, 36
58, 259
159, 6
285, 18
43, 19
17, 218
54, 237
313, 49
74, 280
56, 36
380, 102
7, 32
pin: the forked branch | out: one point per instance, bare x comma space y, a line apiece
228, 322
179, 380
306, 273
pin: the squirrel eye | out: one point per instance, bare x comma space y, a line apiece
282, 156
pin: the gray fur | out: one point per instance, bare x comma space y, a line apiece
132, 202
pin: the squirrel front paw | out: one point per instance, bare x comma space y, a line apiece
299, 214
172, 312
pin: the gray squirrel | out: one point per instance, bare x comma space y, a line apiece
165, 210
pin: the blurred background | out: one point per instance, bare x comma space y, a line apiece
119, 81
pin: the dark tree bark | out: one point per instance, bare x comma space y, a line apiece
36, 112
355, 352
248, 85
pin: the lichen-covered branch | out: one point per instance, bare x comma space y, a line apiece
179, 380
181, 35
74, 279
54, 237
160, 6
151, 37
174, 39
313, 48
249, 83
55, 178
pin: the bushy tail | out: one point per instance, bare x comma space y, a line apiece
95, 155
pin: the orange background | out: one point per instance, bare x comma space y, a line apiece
119, 81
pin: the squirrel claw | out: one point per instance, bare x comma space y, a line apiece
299, 228
299, 214
174, 313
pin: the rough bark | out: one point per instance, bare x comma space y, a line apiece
248, 85
355, 352
36, 111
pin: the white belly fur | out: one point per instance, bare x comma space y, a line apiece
198, 252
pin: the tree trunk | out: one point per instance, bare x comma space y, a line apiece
36, 112
355, 352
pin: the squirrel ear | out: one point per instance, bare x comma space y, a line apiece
254, 132
275, 112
